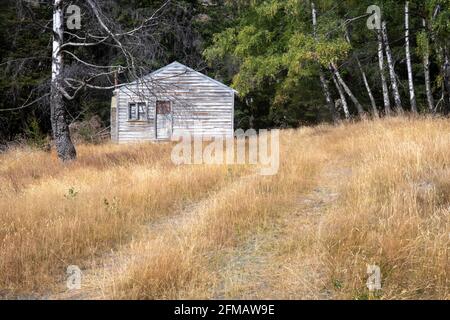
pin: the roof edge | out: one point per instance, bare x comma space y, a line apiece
190, 70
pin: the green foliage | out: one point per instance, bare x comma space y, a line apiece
263, 48
423, 44
35, 137
273, 45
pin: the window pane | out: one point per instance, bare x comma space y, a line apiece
132, 111
141, 107
163, 107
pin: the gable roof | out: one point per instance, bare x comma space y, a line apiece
176, 63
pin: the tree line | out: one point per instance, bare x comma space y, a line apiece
358, 58
294, 62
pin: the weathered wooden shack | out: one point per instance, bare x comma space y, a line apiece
172, 99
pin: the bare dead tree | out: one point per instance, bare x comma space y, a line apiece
71, 68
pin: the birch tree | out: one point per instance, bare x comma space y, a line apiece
67, 82
364, 77
60, 128
368, 89
342, 100
386, 100
392, 74
440, 36
424, 49
347, 89
323, 81
412, 95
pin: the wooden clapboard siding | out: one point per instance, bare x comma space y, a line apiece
200, 105
114, 118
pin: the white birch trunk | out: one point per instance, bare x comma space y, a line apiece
61, 135
366, 82
412, 95
323, 80
342, 98
348, 91
426, 71
390, 61
386, 101
369, 90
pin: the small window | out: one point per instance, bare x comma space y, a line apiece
136, 111
163, 107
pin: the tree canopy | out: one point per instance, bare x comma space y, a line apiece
268, 50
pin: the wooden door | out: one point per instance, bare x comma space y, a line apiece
163, 119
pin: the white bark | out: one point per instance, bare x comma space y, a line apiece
343, 100
347, 90
366, 82
323, 80
386, 101
393, 76
412, 95
60, 129
426, 71
369, 90
58, 36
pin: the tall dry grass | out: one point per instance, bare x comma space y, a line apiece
54, 215
186, 261
394, 210
344, 197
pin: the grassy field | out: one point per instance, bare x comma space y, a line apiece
142, 228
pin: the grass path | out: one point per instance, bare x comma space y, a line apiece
98, 280
286, 262
274, 263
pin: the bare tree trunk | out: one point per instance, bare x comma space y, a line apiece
369, 90
426, 70
366, 83
323, 80
387, 102
342, 98
390, 61
412, 95
61, 135
327, 95
348, 91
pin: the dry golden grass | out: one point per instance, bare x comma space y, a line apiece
394, 210
185, 261
346, 196
54, 215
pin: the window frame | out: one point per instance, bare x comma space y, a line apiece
142, 117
